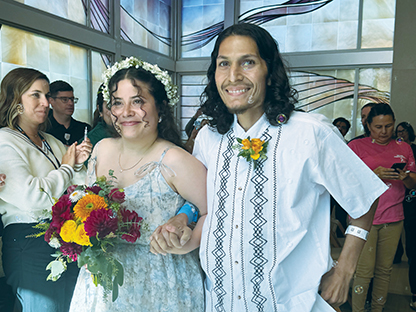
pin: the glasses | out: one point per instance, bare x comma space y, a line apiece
65, 99
401, 131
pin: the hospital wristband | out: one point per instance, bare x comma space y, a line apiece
357, 231
190, 212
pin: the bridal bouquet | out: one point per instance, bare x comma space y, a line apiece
85, 223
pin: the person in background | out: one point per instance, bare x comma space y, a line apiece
365, 110
406, 133
38, 167
342, 124
265, 240
62, 126
102, 124
382, 154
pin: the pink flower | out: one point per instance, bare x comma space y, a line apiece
101, 222
117, 195
71, 250
71, 188
131, 225
95, 189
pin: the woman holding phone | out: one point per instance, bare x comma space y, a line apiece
384, 156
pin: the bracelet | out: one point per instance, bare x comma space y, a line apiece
190, 212
357, 231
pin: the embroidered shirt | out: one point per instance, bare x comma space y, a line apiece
265, 241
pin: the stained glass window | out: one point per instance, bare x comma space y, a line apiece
57, 60
202, 20
73, 10
378, 23
192, 87
147, 23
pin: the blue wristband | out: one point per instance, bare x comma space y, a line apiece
190, 212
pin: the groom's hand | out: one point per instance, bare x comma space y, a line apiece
173, 234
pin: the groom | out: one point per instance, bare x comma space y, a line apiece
265, 241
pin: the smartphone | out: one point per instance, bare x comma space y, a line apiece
398, 166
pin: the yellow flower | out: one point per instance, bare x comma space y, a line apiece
68, 231
81, 237
255, 156
257, 145
87, 204
246, 144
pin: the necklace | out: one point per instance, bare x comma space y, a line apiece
121, 168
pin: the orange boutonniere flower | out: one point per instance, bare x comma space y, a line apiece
252, 149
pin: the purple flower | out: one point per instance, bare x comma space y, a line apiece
71, 250
101, 222
131, 225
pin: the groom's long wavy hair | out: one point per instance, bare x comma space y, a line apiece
280, 96
167, 127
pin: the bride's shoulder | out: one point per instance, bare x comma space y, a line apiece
106, 146
177, 157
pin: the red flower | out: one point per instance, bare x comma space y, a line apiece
49, 232
116, 195
61, 212
101, 222
71, 188
71, 250
95, 189
131, 225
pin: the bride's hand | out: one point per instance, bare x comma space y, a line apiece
174, 234
2, 179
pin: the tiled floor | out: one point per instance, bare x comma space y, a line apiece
399, 290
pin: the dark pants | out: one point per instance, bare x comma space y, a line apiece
24, 263
410, 232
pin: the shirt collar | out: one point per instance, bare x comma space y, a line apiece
254, 132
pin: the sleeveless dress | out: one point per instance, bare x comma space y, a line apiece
151, 282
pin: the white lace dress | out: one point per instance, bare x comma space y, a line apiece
151, 282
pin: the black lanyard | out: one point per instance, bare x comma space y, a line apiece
45, 143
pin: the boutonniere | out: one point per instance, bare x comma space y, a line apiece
252, 149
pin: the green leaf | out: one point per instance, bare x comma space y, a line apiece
115, 290
239, 140
120, 273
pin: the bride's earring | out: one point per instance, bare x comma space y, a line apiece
160, 119
20, 108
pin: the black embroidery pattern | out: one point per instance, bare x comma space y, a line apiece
274, 177
258, 241
219, 233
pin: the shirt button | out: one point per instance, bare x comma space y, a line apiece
236, 226
239, 297
236, 262
240, 188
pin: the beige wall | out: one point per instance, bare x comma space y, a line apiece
403, 86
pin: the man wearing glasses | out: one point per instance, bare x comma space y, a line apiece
62, 126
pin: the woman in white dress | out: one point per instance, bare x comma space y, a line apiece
157, 177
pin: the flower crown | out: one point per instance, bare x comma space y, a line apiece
162, 76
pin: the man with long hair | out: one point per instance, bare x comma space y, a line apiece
271, 170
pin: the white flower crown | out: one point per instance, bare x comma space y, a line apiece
162, 76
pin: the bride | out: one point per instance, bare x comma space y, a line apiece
157, 177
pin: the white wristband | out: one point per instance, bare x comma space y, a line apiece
357, 231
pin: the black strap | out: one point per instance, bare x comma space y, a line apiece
45, 143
